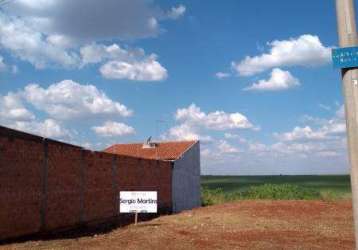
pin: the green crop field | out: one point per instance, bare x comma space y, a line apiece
218, 189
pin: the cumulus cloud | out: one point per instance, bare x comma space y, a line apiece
60, 41
48, 128
231, 136
121, 63
328, 139
302, 133
194, 123
96, 53
186, 132
29, 45
329, 129
110, 128
41, 51
226, 148
71, 100
306, 50
14, 114
54, 34
47, 111
279, 80
112, 18
13, 109
318, 147
146, 70
177, 12
217, 120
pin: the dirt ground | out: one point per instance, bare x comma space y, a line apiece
239, 225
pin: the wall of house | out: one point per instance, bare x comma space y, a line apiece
186, 180
47, 185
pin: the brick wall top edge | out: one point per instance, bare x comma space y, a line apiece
8, 132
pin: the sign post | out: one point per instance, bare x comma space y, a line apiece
138, 202
135, 218
347, 34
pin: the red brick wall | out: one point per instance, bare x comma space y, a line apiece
20, 186
63, 186
99, 192
47, 185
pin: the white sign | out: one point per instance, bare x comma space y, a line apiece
138, 202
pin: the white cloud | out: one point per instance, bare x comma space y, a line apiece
146, 70
70, 100
62, 103
327, 139
310, 148
123, 64
29, 45
14, 114
306, 50
193, 124
299, 133
279, 80
258, 147
329, 129
222, 75
41, 51
235, 137
96, 53
23, 120
177, 12
89, 20
48, 128
110, 128
60, 41
12, 109
186, 132
52, 34
225, 148
231, 136
217, 120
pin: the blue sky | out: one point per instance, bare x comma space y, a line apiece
252, 80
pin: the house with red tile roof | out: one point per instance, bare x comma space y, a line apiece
185, 163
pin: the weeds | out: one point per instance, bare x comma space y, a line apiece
266, 191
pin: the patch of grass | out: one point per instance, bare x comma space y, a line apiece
212, 196
281, 192
321, 183
266, 191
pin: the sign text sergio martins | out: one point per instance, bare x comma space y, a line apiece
138, 202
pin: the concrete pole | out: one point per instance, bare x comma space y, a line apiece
348, 38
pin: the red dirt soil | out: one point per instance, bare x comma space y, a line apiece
239, 225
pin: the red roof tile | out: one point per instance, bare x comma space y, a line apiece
162, 151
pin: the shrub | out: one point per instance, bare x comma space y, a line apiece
212, 196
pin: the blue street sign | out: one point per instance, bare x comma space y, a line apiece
345, 57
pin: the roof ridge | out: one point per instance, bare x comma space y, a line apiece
160, 142
166, 150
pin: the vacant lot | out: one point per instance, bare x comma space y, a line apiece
243, 224
239, 225
330, 186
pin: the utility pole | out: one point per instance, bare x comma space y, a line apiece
348, 38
